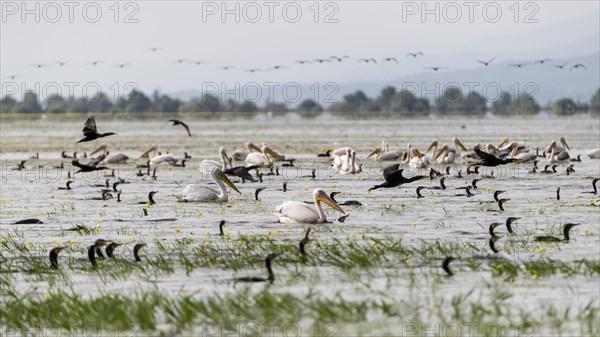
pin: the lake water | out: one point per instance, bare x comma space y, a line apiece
390, 214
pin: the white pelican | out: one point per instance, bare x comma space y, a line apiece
259, 158
350, 166
469, 156
241, 155
417, 159
206, 165
520, 155
594, 154
111, 158
161, 158
339, 151
557, 156
446, 155
383, 153
559, 148
338, 161
299, 212
203, 193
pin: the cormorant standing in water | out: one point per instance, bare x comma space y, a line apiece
94, 250
566, 230
54, 256
255, 279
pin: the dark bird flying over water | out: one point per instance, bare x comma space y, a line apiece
393, 177
90, 132
178, 122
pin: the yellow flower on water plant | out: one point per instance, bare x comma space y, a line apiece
199, 214
414, 224
586, 231
97, 229
130, 238
71, 241
47, 294
289, 227
490, 189
52, 241
99, 220
3, 201
306, 187
177, 230
208, 233
498, 267
275, 232
251, 227
353, 234
148, 204
534, 276
539, 250
248, 235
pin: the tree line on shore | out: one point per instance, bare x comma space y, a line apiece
389, 102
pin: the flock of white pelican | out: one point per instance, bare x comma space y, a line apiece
343, 160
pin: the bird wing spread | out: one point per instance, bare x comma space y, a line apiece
90, 126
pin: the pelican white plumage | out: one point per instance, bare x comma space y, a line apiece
259, 158
300, 212
160, 158
557, 147
445, 155
339, 151
207, 165
350, 166
555, 156
241, 155
111, 158
383, 153
203, 193
417, 159
339, 160
520, 154
594, 154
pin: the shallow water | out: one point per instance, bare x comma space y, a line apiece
396, 213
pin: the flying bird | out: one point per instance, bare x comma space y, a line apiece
365, 60
486, 63
518, 65
227, 67
415, 55
578, 65
90, 132
39, 65
561, 66
61, 63
436, 68
178, 122
390, 59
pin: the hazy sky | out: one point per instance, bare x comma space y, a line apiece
197, 31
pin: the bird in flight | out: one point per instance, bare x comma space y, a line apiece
39, 65
198, 62
303, 61
436, 68
180, 61
542, 61
95, 62
155, 49
12, 77
122, 65
90, 132
365, 60
561, 66
486, 63
578, 65
337, 58
277, 67
518, 65
415, 55
178, 122
390, 59
61, 63
227, 67
253, 70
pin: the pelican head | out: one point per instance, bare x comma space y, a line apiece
414, 152
222, 177
375, 151
503, 143
320, 195
441, 151
268, 151
433, 146
152, 148
102, 147
564, 143
459, 144
224, 156
252, 148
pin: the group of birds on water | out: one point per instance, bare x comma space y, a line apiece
262, 160
325, 60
